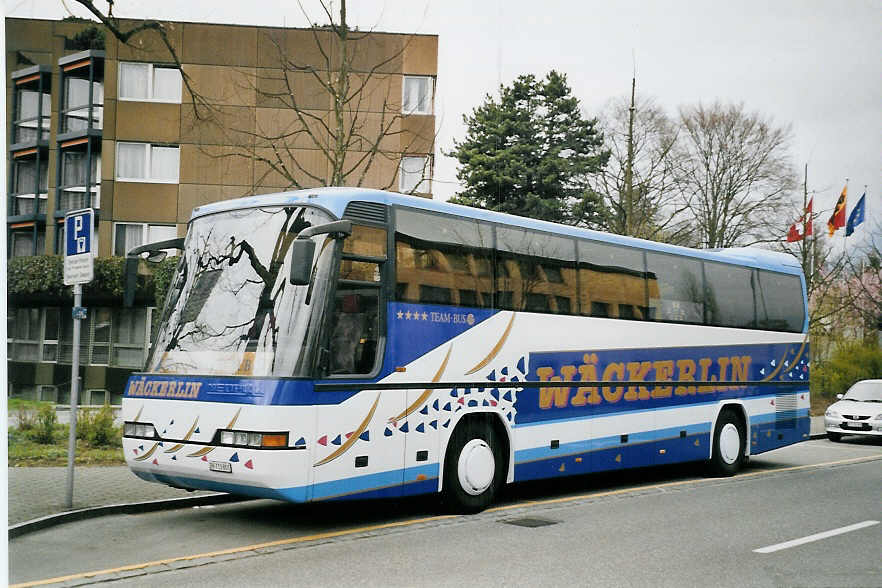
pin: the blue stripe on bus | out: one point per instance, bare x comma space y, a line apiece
374, 482
588, 445
376, 485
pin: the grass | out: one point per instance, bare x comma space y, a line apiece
40, 440
24, 404
26, 453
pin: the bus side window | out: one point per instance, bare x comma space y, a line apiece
354, 331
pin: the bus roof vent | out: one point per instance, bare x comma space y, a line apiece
372, 212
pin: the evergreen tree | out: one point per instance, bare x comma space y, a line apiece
531, 153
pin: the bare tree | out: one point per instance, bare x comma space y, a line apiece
363, 133
736, 176
638, 184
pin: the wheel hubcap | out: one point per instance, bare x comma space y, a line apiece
476, 467
730, 443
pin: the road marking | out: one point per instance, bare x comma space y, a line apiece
815, 537
399, 524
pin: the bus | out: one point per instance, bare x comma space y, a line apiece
343, 343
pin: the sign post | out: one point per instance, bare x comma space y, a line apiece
79, 269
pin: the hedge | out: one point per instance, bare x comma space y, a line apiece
40, 278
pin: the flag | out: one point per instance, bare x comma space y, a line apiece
806, 221
807, 218
856, 217
837, 219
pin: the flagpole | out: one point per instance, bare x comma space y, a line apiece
804, 215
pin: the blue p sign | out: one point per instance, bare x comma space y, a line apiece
78, 232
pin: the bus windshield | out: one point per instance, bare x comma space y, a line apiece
230, 309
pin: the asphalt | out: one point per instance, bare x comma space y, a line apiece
37, 495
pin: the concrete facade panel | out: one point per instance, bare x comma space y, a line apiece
155, 122
27, 35
378, 171
232, 192
219, 45
145, 202
105, 238
283, 128
221, 85
375, 52
418, 134
109, 130
307, 168
111, 77
303, 47
369, 126
193, 195
275, 85
107, 187
223, 125
200, 164
421, 55
376, 92
108, 160
147, 46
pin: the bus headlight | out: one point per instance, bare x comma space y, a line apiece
251, 439
144, 430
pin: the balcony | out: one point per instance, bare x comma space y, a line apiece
32, 108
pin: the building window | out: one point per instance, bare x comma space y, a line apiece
417, 95
127, 236
26, 344
130, 337
33, 111
414, 175
146, 82
144, 162
25, 242
73, 191
30, 186
78, 113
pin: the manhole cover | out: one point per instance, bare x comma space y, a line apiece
530, 522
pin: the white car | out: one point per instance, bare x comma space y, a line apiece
857, 412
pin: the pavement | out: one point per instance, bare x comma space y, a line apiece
37, 495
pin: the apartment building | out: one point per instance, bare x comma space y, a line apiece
95, 123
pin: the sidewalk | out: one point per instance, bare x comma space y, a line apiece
36, 492
40, 492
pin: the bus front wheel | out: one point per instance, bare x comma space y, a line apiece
729, 444
473, 467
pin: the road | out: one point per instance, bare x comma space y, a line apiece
799, 516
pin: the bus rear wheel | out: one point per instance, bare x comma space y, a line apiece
729, 444
473, 467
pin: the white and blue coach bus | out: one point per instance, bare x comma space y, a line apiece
346, 343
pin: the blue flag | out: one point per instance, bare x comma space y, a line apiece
856, 217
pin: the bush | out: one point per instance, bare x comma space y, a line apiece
44, 430
851, 361
95, 427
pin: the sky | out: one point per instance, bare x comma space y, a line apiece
815, 65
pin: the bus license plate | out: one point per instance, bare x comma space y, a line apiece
220, 466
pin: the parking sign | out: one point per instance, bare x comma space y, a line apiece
79, 259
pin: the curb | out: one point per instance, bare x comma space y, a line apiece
81, 514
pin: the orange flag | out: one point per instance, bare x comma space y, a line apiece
837, 220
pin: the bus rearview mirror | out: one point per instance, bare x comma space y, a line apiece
302, 251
